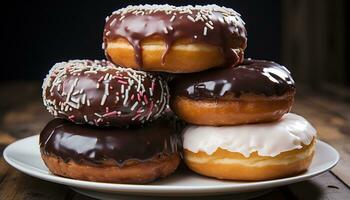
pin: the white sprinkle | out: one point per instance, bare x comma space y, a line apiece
75, 100
191, 18
134, 106
122, 89
85, 118
83, 99
97, 85
75, 93
172, 18
150, 92
76, 106
165, 30
88, 102
195, 36
205, 31
106, 89
98, 115
121, 18
170, 28
209, 26
107, 18
126, 97
81, 91
103, 100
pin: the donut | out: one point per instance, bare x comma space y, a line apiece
251, 152
101, 94
174, 39
253, 92
110, 154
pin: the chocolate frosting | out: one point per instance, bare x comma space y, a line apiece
101, 94
211, 24
93, 145
257, 77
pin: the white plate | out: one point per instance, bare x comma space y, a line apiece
24, 155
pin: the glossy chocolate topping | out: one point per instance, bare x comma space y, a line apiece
211, 24
101, 94
252, 76
93, 145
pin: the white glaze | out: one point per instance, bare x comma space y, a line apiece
267, 139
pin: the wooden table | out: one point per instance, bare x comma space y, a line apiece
22, 114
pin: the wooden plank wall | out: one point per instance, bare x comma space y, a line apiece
314, 41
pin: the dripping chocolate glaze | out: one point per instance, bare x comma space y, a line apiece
93, 145
252, 76
211, 24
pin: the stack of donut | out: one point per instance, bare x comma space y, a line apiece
112, 120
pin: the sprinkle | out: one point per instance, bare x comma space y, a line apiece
97, 85
122, 82
150, 111
122, 89
191, 18
209, 26
110, 114
103, 100
126, 97
205, 31
165, 30
106, 92
71, 117
81, 91
88, 102
132, 97
145, 99
107, 109
112, 22
172, 18
136, 116
151, 92
195, 36
85, 118
98, 115
76, 92
134, 106
100, 79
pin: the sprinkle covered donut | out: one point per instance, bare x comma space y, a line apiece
102, 94
174, 39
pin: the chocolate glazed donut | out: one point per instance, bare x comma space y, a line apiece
134, 155
174, 39
252, 92
101, 94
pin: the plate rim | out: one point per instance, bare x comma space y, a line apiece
145, 188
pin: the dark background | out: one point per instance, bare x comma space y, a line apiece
309, 37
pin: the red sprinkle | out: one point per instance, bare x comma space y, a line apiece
100, 79
122, 82
110, 114
138, 97
152, 86
145, 99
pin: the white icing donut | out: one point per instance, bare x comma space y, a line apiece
268, 139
